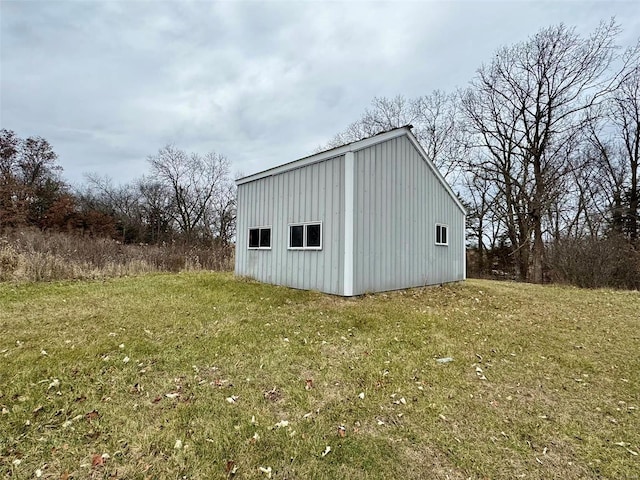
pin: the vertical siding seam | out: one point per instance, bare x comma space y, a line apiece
349, 178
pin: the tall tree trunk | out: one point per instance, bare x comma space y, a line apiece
537, 274
633, 203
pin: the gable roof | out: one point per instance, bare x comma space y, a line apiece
354, 147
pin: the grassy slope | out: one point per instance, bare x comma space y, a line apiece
561, 388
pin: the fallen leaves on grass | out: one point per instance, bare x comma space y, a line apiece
266, 471
230, 467
136, 389
416, 372
97, 460
444, 360
92, 415
625, 445
272, 395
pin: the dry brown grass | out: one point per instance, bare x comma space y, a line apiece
34, 256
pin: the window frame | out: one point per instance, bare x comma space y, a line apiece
439, 229
259, 228
304, 226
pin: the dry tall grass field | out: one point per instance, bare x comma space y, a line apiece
203, 375
30, 255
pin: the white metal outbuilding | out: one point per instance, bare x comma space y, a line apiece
370, 216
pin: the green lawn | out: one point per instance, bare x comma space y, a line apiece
208, 376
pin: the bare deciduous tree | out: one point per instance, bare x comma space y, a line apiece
434, 118
481, 197
626, 116
154, 203
122, 202
193, 182
526, 107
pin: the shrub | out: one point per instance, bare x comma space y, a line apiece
595, 262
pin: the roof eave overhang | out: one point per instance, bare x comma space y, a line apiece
326, 155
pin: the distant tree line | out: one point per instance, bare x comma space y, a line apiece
186, 197
543, 146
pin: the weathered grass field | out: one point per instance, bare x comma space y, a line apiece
207, 376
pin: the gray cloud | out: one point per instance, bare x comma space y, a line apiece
108, 83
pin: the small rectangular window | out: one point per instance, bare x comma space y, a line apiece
296, 236
305, 236
313, 235
265, 238
441, 234
260, 237
254, 237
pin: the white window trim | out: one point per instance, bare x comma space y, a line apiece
444, 244
304, 235
261, 227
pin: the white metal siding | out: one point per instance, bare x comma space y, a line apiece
398, 201
309, 194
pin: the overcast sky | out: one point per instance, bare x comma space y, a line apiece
108, 83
